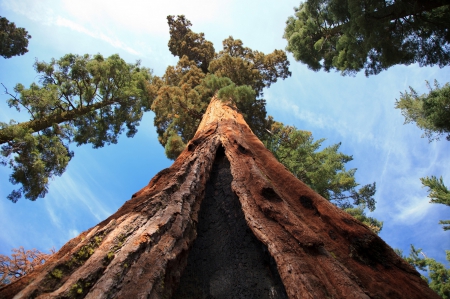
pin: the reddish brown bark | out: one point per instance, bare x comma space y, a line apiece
141, 250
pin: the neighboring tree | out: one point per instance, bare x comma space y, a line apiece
439, 193
430, 112
20, 263
351, 35
323, 170
438, 275
81, 99
13, 40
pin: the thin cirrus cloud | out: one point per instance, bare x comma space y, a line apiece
96, 34
42, 12
72, 187
142, 15
101, 19
412, 211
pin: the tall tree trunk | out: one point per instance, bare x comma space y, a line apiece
140, 251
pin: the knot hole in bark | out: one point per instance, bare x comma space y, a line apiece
270, 194
307, 202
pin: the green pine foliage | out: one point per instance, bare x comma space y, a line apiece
180, 97
323, 170
245, 66
36, 158
13, 40
438, 275
358, 212
438, 193
81, 99
430, 112
183, 41
352, 35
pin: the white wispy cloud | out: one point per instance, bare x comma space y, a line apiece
63, 22
72, 188
73, 233
142, 15
412, 210
50, 13
56, 220
39, 11
106, 20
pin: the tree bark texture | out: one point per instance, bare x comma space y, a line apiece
317, 250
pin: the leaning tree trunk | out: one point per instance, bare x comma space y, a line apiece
231, 192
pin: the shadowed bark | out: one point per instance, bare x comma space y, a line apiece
142, 249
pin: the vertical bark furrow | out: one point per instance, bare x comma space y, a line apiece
227, 260
142, 249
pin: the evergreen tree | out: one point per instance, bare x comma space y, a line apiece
88, 100
182, 94
81, 99
351, 35
438, 275
13, 40
430, 112
439, 193
183, 41
141, 250
323, 170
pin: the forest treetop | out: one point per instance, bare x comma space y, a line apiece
13, 40
352, 35
182, 94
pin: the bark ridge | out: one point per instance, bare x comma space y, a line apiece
142, 249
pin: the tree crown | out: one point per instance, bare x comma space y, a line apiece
373, 35
13, 40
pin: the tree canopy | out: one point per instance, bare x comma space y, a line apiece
324, 170
13, 40
182, 94
352, 35
20, 263
438, 193
430, 112
81, 99
438, 275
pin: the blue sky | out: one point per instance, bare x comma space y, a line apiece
357, 111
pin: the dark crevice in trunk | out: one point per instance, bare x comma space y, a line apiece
227, 260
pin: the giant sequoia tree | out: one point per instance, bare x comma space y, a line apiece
88, 99
311, 248
352, 35
241, 74
182, 94
227, 212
